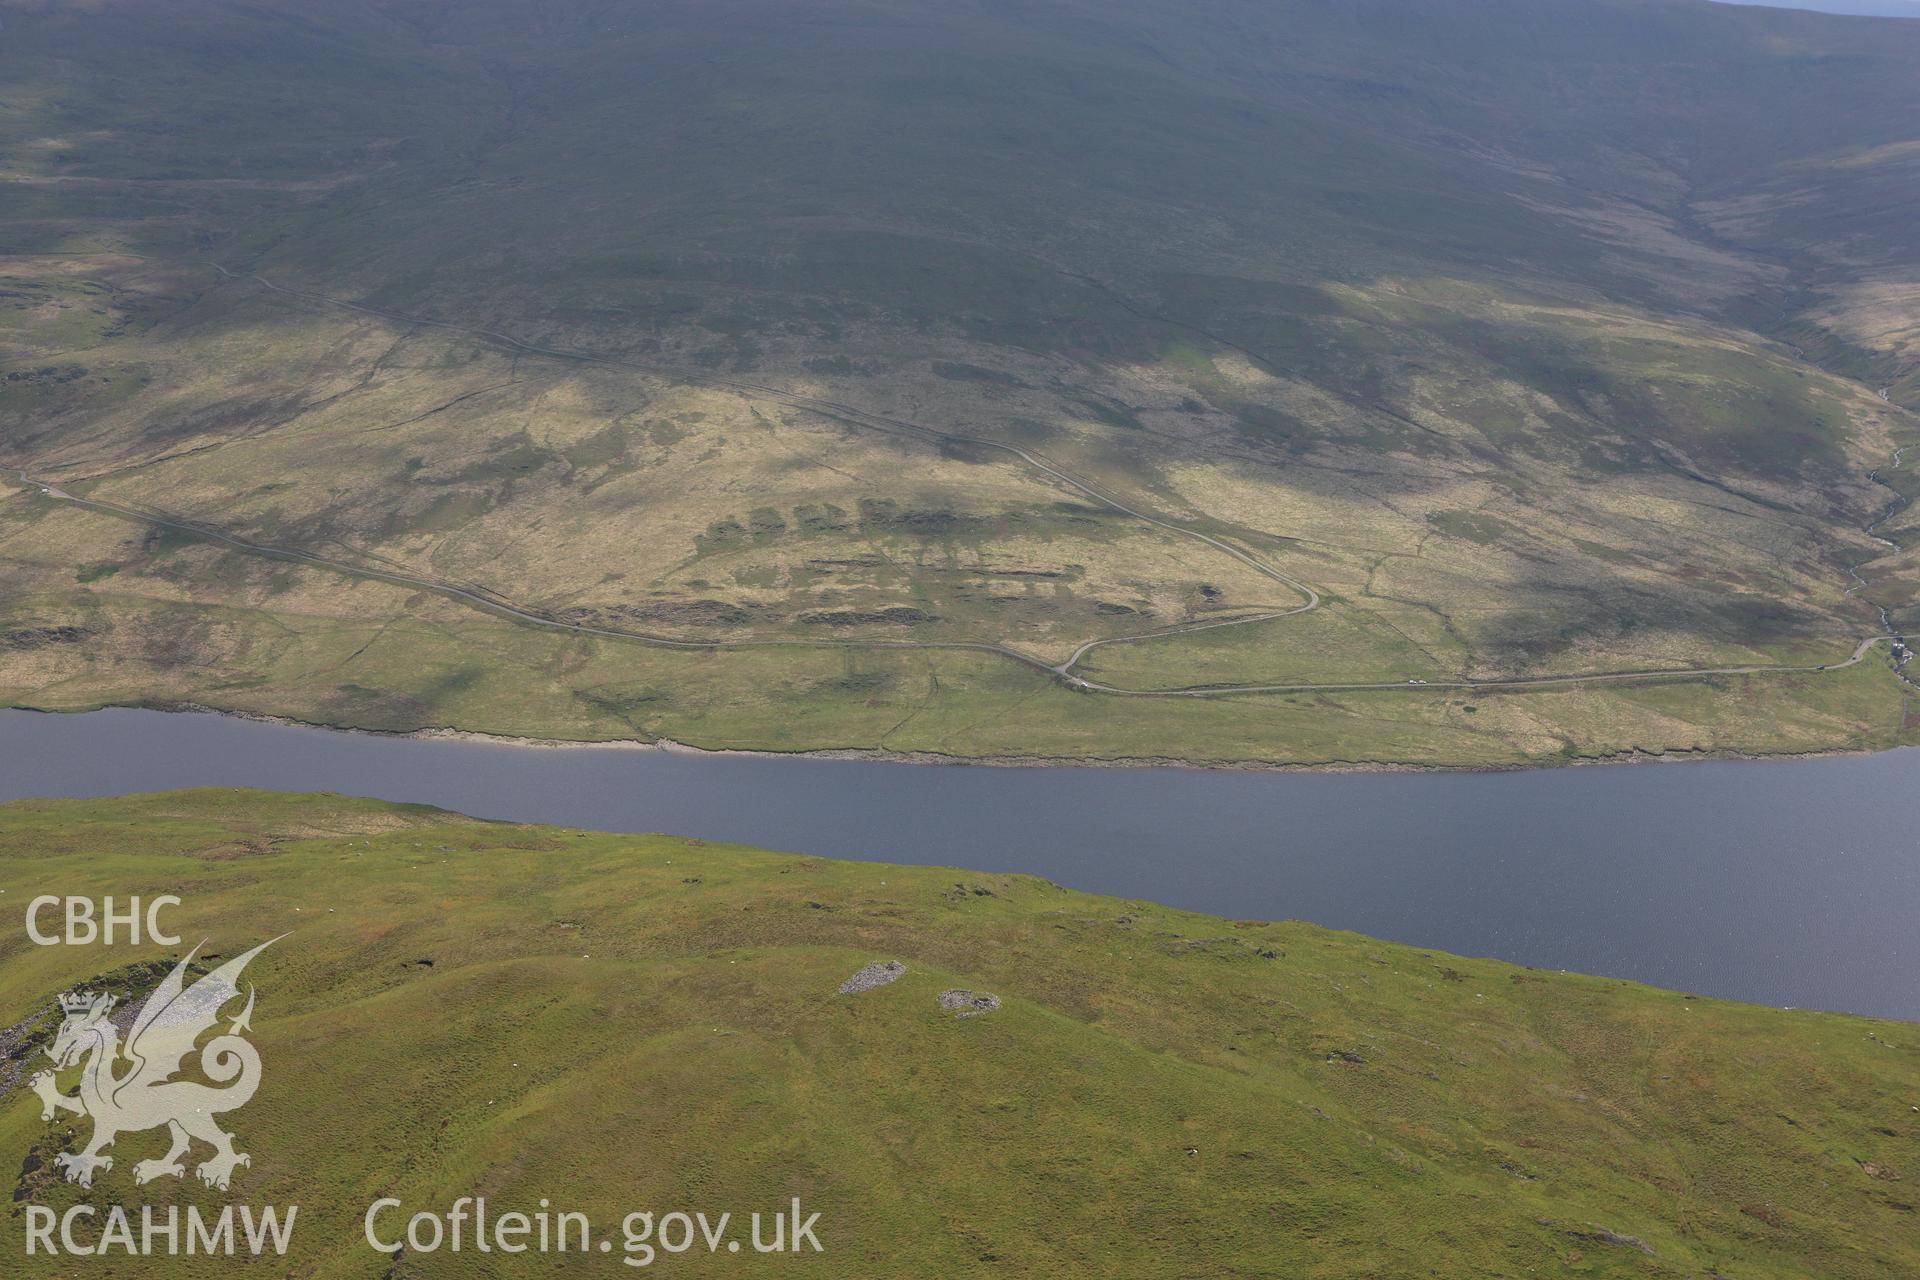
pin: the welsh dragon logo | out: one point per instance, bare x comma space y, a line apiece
128, 1088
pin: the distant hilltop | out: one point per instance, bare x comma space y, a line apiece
1856, 8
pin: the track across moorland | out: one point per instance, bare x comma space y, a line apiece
499, 605
490, 601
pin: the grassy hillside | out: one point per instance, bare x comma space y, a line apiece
620, 1023
1514, 338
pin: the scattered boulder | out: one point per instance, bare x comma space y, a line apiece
874, 975
971, 1004
1600, 1235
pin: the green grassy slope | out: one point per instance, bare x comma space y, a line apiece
619, 1022
1542, 336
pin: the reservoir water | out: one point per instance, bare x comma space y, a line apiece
1787, 883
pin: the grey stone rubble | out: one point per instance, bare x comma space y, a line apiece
874, 975
971, 1004
20, 1059
1600, 1235
16, 1054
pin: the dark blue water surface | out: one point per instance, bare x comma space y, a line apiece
1787, 883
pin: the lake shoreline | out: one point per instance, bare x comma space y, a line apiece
871, 755
1793, 884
